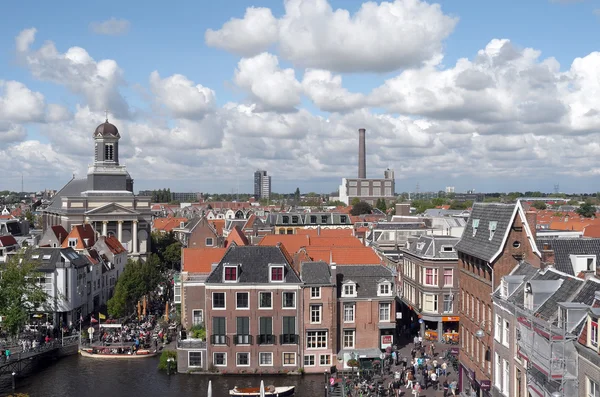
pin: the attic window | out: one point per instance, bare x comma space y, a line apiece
72, 242
35, 257
46, 257
343, 219
385, 289
286, 219
323, 218
492, 227
518, 228
349, 290
420, 246
475, 226
313, 219
230, 274
294, 219
590, 264
276, 274
447, 248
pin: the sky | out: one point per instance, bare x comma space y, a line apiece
484, 95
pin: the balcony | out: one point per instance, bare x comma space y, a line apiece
191, 344
242, 339
219, 340
288, 339
266, 339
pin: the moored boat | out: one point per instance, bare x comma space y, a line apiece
270, 391
115, 352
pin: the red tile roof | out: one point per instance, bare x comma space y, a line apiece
344, 256
321, 241
167, 224
200, 260
326, 232
114, 245
236, 235
60, 233
7, 241
218, 224
292, 242
81, 232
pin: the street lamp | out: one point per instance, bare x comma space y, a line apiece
382, 357
480, 333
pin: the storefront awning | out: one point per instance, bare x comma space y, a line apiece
361, 353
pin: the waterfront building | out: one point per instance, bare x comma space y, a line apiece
497, 237
253, 311
104, 199
429, 277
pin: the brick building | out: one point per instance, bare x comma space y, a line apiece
253, 311
496, 238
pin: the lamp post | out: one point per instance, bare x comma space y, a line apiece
382, 357
13, 380
169, 361
353, 358
480, 333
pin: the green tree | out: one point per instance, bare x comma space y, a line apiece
354, 201
540, 205
297, 195
138, 279
20, 293
422, 205
172, 256
336, 203
361, 208
586, 210
381, 205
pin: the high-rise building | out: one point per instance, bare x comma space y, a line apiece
262, 185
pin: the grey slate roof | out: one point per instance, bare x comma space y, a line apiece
316, 273
50, 258
587, 292
73, 188
439, 212
549, 309
254, 261
366, 278
480, 245
430, 247
563, 247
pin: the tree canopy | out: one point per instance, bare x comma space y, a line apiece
540, 205
137, 280
380, 205
361, 208
20, 292
586, 210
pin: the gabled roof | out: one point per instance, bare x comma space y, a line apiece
60, 233
217, 225
81, 233
236, 236
316, 273
367, 278
200, 260
73, 188
114, 245
564, 247
8, 241
431, 247
479, 244
167, 224
254, 264
344, 255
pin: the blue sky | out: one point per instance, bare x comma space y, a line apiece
170, 38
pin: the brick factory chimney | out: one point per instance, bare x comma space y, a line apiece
362, 159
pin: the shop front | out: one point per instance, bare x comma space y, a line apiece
470, 386
450, 329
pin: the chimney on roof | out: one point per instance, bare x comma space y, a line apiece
318, 230
333, 272
86, 242
362, 159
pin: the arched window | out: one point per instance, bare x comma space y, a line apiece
109, 152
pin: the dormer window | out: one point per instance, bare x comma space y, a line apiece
72, 242
276, 274
504, 290
492, 226
349, 290
285, 219
343, 219
594, 333
323, 218
475, 226
294, 219
313, 219
230, 274
447, 248
420, 246
385, 289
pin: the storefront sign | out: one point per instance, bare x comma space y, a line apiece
399, 316
386, 341
454, 351
485, 385
450, 319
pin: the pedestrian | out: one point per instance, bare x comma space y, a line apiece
394, 358
434, 380
416, 340
432, 349
445, 385
331, 384
409, 380
416, 389
7, 352
444, 368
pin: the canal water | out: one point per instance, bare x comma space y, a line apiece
80, 377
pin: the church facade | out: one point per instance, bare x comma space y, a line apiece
105, 199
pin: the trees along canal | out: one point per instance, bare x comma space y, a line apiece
21, 294
137, 280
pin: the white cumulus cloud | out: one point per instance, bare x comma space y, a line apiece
111, 27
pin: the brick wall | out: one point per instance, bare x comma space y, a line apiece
329, 320
192, 298
587, 370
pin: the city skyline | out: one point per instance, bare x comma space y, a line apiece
202, 99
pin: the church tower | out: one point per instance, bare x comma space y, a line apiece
106, 175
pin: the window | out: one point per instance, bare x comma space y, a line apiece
498, 329
384, 311
448, 277
242, 359
265, 300
176, 292
289, 359
448, 303
309, 360
209, 242
385, 289
219, 332
242, 331
497, 372
72, 243
349, 312
218, 299
313, 219
289, 300
220, 359
506, 334
265, 331
197, 317
277, 273
324, 219
194, 359
242, 300
475, 226
230, 273
349, 290
430, 303
315, 314
315, 292
593, 389
505, 377
289, 331
324, 360
430, 276
594, 333
265, 358
504, 291
286, 219
516, 244
109, 151
492, 227
349, 338
316, 340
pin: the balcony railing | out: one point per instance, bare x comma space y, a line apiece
288, 339
191, 344
219, 339
242, 339
266, 339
